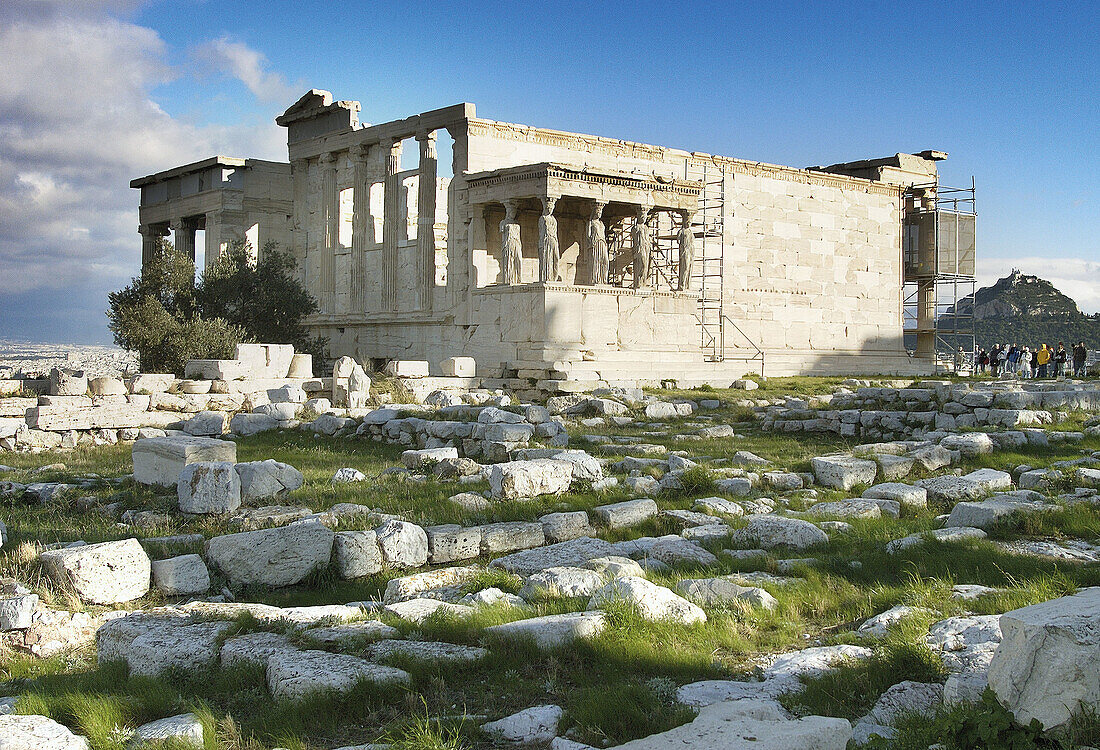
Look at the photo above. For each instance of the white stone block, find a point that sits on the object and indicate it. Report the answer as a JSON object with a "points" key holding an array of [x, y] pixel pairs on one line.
{"points": [[407, 368], [459, 367]]}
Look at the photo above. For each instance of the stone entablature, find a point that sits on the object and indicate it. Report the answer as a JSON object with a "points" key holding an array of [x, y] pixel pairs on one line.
{"points": [[226, 198]]}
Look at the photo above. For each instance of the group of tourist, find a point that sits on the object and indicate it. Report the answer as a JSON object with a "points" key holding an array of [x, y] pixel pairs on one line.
{"points": [[1044, 361]]}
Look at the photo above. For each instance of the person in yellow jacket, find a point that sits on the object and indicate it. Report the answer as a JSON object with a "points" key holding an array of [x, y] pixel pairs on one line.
{"points": [[1044, 361]]}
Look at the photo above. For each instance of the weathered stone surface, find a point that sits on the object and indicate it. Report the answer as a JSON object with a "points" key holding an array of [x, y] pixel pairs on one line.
{"points": [[940, 535], [905, 494], [653, 602], [768, 531], [352, 632], [561, 527], [403, 544], [153, 643], [253, 648], [970, 445], [270, 478], [429, 651], [408, 587], [459, 367], [1048, 664], [627, 513], [537, 724], [16, 612], [348, 474], [523, 479], [511, 535], [245, 424], [882, 622], [160, 460], [206, 424], [965, 645], [562, 582], [416, 459], [275, 557], [451, 543], [104, 573], [295, 675], [951, 489], [184, 728], [905, 697], [749, 725], [181, 576], [713, 592], [932, 457], [574, 553], [614, 567], [419, 610], [812, 661], [719, 506], [552, 631], [843, 472], [987, 513], [209, 487], [33, 732], [846, 509]]}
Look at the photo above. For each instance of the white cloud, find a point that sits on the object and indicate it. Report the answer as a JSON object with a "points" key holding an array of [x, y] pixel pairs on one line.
{"points": [[77, 121], [1077, 278], [240, 61]]}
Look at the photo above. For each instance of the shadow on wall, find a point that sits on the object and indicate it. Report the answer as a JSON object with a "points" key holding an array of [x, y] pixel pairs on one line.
{"points": [[879, 355]]}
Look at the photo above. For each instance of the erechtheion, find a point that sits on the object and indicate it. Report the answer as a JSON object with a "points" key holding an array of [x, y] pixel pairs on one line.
{"points": [[562, 258]]}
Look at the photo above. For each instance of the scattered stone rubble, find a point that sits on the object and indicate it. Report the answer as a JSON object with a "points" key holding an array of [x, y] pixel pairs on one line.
{"points": [[514, 453]]}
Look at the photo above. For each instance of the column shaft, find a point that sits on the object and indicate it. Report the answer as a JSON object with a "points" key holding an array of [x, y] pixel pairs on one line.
{"points": [[425, 222], [390, 226]]}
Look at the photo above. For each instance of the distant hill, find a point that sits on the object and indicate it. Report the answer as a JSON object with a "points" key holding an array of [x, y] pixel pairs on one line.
{"points": [[1020, 296], [1027, 310]]}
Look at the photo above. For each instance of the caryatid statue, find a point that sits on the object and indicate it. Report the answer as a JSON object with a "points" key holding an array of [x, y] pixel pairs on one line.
{"points": [[643, 246], [598, 263], [686, 241], [511, 248], [549, 250]]}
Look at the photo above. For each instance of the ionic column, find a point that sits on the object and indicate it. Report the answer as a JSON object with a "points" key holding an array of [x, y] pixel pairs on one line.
{"points": [[643, 245], [549, 250], [330, 217], [215, 243], [360, 221], [511, 247], [183, 237], [685, 241], [425, 221], [596, 247], [390, 207]]}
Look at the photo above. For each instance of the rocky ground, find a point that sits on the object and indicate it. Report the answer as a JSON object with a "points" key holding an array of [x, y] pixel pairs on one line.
{"points": [[25, 359], [627, 569]]}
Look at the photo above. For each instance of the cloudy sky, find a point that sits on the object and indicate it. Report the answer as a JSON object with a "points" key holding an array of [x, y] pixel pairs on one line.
{"points": [[96, 92]]}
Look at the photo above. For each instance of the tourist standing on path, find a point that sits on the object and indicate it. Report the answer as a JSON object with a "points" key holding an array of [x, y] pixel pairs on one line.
{"points": [[1025, 364], [1044, 361], [1080, 354], [1061, 357]]}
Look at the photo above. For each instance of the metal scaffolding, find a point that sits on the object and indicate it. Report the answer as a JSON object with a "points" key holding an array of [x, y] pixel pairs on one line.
{"points": [[938, 252]]}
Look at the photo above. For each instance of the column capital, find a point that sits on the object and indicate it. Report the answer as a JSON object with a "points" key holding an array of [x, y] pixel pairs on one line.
{"points": [[393, 157], [299, 164], [359, 152], [328, 158]]}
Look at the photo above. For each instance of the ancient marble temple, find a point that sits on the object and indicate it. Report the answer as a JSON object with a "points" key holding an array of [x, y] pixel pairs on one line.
{"points": [[564, 258]]}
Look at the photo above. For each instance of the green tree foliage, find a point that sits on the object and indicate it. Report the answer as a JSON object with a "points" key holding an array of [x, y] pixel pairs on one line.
{"points": [[261, 296], [168, 319]]}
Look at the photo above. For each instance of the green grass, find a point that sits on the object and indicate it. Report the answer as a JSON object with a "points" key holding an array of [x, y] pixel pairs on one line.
{"points": [[614, 688]]}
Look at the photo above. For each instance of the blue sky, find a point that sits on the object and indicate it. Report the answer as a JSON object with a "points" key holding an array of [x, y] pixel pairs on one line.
{"points": [[105, 91]]}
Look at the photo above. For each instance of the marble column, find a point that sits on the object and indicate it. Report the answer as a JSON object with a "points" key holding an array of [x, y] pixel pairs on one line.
{"points": [[390, 225], [330, 222], [511, 247], [183, 237], [549, 249], [425, 221], [150, 242], [685, 241], [599, 265], [642, 241], [361, 222]]}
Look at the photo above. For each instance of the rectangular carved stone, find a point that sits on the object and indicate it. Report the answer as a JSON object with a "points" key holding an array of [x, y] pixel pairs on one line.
{"points": [[59, 419], [160, 460]]}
